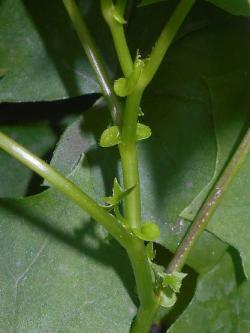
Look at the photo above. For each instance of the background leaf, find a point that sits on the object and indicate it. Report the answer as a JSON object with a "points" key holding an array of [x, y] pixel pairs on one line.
{"points": [[236, 7], [219, 303], [17, 180], [239, 7], [42, 53], [192, 135], [58, 274]]}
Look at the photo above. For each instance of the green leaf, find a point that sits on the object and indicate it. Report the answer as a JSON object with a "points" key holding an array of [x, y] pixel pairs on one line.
{"points": [[168, 298], [43, 54], [110, 137], [142, 132], [15, 178], [189, 130], [57, 270], [173, 281], [236, 7], [231, 220], [118, 194], [218, 303]]}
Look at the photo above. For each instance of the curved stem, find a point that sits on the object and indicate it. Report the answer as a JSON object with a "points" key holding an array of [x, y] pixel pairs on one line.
{"points": [[117, 31], [95, 59], [210, 205], [165, 39], [66, 187], [129, 158]]}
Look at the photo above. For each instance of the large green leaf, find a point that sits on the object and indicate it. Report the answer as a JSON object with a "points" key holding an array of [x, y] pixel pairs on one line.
{"points": [[195, 129], [236, 7], [40, 139], [41, 55], [58, 274], [219, 304]]}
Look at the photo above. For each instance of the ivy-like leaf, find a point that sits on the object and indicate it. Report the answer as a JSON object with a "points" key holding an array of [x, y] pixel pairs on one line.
{"points": [[236, 7], [40, 139], [228, 303], [55, 267], [110, 137], [39, 45]]}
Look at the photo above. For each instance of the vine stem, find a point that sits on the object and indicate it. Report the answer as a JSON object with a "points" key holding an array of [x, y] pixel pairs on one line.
{"points": [[149, 302], [210, 205], [129, 158], [95, 59], [65, 186]]}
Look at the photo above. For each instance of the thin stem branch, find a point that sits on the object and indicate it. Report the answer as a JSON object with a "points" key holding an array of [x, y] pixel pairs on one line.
{"points": [[66, 187], [165, 39], [129, 159], [119, 38], [95, 59], [210, 205]]}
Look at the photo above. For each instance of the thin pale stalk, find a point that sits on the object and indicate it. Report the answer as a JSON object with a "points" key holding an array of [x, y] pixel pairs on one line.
{"points": [[65, 186], [210, 205], [95, 59]]}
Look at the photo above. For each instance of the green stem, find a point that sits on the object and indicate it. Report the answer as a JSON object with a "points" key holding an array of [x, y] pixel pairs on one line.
{"points": [[148, 301], [66, 187], [165, 39], [95, 59], [210, 205], [119, 38], [129, 159]]}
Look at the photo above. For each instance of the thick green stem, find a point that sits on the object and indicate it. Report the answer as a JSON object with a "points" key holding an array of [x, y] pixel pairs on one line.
{"points": [[129, 158], [148, 301], [210, 205], [66, 187], [117, 31], [95, 59], [165, 39]]}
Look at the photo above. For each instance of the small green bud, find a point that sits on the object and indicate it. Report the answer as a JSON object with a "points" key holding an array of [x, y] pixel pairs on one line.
{"points": [[149, 231], [125, 86], [121, 87], [142, 132], [110, 137], [173, 281], [167, 298], [118, 194]]}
